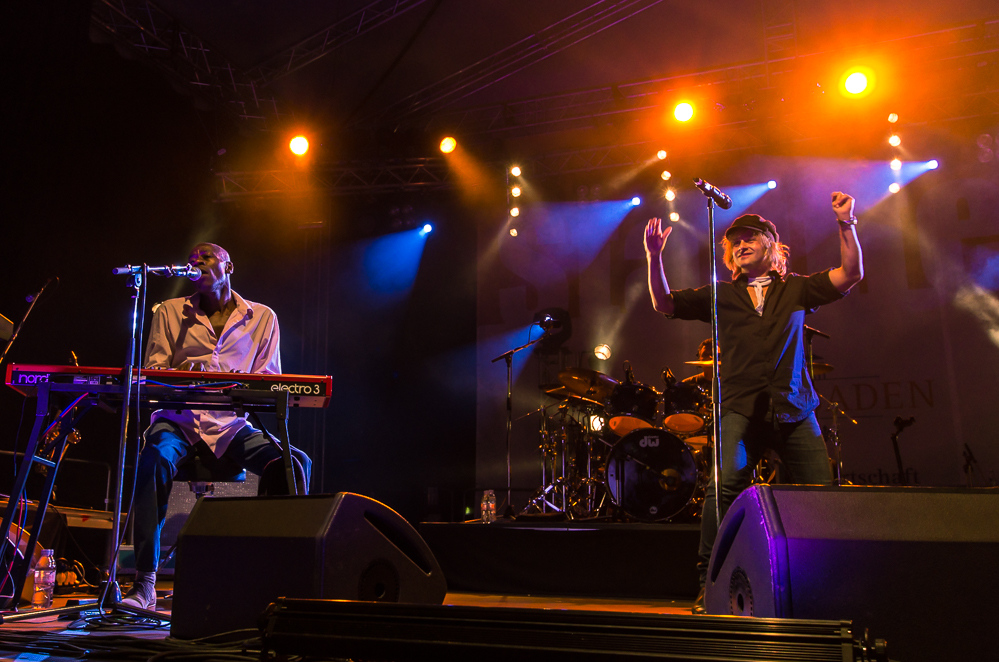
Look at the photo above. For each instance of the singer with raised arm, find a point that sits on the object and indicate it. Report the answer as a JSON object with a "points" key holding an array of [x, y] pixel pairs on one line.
{"points": [[767, 397], [215, 330]]}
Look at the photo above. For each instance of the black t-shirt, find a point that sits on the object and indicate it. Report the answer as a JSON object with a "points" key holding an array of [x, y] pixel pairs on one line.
{"points": [[763, 356]]}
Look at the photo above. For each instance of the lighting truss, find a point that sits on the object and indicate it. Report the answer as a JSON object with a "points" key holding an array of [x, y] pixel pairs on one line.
{"points": [[345, 30], [562, 34], [145, 29], [335, 179]]}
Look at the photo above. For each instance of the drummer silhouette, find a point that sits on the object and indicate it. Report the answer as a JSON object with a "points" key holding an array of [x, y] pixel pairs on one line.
{"points": [[704, 359]]}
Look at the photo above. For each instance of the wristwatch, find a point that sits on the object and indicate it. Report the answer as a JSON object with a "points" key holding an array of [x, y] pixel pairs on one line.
{"points": [[852, 221]]}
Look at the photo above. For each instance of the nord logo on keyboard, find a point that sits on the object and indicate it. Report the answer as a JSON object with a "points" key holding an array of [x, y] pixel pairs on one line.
{"points": [[30, 378]]}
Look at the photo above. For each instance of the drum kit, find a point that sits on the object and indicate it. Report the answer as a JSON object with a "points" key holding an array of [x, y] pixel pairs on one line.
{"points": [[624, 450]]}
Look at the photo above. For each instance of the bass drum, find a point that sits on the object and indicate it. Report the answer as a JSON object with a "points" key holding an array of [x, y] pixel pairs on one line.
{"points": [[651, 475]]}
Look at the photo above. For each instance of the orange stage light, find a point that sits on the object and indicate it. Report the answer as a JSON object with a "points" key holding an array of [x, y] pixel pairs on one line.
{"points": [[683, 111], [448, 145], [857, 82], [299, 145]]}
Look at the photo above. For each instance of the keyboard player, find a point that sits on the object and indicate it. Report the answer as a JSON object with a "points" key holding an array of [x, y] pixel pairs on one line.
{"points": [[216, 330]]}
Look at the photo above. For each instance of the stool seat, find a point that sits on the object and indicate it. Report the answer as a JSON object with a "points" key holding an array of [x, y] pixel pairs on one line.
{"points": [[202, 468]]}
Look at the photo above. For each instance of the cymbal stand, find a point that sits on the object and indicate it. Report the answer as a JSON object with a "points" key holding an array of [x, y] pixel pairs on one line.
{"points": [[508, 356], [837, 411]]}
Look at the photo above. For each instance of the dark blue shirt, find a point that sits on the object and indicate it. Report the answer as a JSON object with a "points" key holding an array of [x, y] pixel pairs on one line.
{"points": [[763, 362]]}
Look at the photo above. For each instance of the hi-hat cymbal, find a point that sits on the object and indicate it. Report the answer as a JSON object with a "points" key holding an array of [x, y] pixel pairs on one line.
{"points": [[588, 383]]}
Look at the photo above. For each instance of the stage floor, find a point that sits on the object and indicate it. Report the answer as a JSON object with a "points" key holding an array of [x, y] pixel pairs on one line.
{"points": [[54, 640]]}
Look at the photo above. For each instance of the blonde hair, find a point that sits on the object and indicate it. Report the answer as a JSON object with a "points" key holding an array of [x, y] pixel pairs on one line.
{"points": [[776, 252]]}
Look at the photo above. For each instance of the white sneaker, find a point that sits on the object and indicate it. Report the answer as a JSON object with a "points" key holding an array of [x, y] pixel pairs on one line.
{"points": [[142, 595]]}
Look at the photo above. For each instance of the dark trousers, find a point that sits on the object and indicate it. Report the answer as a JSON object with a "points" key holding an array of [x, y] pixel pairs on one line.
{"points": [[164, 449], [802, 452]]}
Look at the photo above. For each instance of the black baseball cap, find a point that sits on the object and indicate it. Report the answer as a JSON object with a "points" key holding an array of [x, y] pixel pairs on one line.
{"points": [[754, 222]]}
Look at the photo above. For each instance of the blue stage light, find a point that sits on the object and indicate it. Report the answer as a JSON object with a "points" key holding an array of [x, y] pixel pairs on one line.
{"points": [[426, 229], [933, 165], [772, 184], [636, 201]]}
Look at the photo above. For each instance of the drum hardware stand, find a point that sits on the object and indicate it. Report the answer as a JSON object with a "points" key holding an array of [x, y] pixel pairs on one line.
{"points": [[900, 424], [970, 464], [837, 411], [546, 324], [33, 299]]}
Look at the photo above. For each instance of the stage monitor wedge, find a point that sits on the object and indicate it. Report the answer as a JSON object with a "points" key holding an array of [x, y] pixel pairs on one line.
{"points": [[237, 555], [915, 565]]}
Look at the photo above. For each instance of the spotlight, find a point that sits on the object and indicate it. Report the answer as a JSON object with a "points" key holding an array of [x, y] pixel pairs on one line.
{"points": [[892, 118], [670, 194], [894, 140], [674, 216], [299, 145], [896, 164], [894, 187], [515, 171], [856, 82], [661, 154], [772, 184], [602, 352], [596, 423], [666, 175], [426, 229], [513, 232], [448, 145], [933, 164], [515, 191], [515, 211], [683, 111], [636, 201]]}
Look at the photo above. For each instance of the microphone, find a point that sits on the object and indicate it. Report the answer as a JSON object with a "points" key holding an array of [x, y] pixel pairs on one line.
{"points": [[183, 270], [668, 378], [546, 323], [33, 297], [707, 189]]}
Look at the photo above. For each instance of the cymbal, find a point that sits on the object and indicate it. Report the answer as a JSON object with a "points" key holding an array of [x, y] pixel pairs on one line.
{"points": [[821, 368], [704, 363], [588, 383], [562, 393]]}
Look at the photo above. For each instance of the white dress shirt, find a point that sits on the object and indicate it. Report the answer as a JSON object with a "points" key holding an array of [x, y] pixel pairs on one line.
{"points": [[181, 337]]}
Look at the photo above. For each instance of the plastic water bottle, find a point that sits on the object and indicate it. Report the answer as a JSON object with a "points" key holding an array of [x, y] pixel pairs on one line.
{"points": [[45, 578], [488, 510]]}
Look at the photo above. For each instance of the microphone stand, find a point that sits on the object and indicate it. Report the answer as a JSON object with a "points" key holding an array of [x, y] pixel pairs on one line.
{"points": [[716, 372], [33, 299], [836, 410], [508, 355]]}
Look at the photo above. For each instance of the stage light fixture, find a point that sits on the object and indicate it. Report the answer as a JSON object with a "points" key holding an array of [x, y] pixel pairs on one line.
{"points": [[896, 164], [448, 144], [666, 175], [299, 145], [894, 140], [513, 232], [933, 164], [515, 171], [515, 211], [674, 216], [636, 201], [661, 154], [602, 351], [892, 118], [857, 82], [772, 184], [670, 194], [894, 187], [426, 229], [596, 423], [683, 111], [515, 191]]}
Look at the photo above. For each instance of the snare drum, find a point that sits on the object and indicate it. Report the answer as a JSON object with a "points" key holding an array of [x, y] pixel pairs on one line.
{"points": [[685, 409], [651, 474]]}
